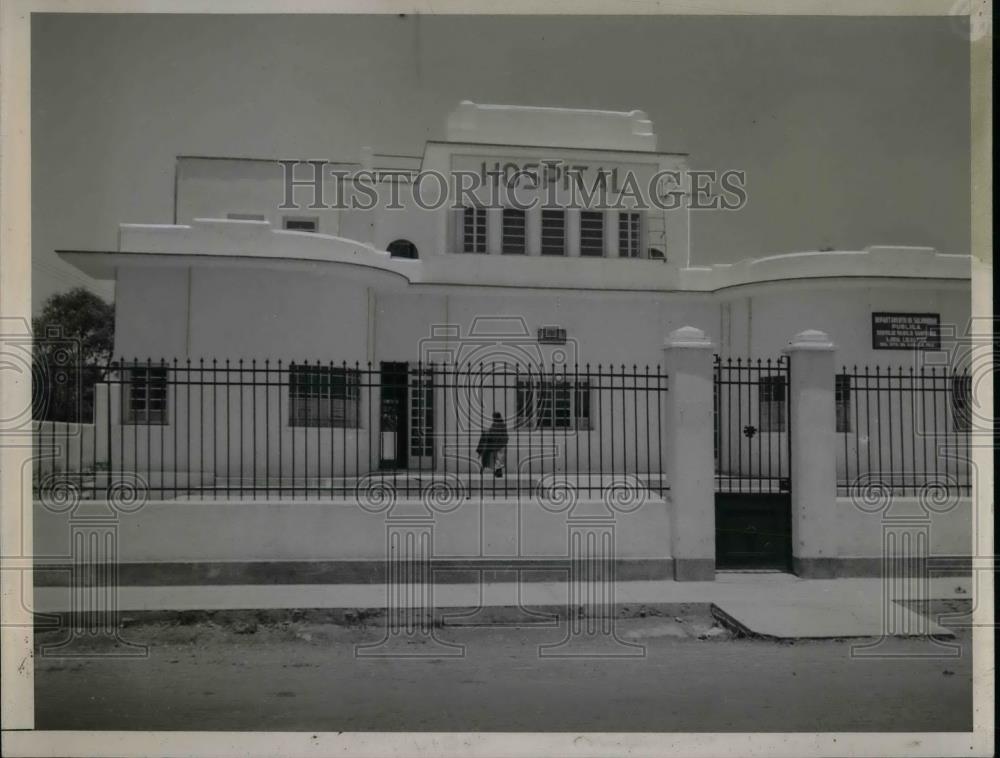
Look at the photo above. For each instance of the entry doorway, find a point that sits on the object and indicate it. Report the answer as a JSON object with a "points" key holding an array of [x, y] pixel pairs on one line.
{"points": [[421, 428], [753, 502], [393, 425], [753, 531], [407, 418]]}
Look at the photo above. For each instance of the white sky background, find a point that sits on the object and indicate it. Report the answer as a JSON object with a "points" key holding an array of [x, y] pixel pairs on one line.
{"points": [[852, 131]]}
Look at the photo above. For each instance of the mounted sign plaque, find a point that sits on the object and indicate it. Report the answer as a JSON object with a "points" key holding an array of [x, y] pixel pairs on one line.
{"points": [[551, 335], [906, 331]]}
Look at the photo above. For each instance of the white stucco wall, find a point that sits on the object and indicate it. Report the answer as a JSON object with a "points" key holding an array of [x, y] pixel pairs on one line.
{"points": [[842, 308], [220, 309], [248, 530], [215, 187], [858, 533], [303, 530], [151, 312], [330, 312]]}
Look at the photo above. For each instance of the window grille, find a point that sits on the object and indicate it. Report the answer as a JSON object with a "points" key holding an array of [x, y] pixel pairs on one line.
{"points": [[474, 230], [323, 396], [628, 234], [146, 395], [422, 415], [592, 233], [553, 232], [553, 404], [771, 401], [842, 394], [403, 249], [513, 231]]}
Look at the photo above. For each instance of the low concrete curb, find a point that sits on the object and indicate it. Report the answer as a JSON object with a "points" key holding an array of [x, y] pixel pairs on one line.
{"points": [[743, 627], [459, 616]]}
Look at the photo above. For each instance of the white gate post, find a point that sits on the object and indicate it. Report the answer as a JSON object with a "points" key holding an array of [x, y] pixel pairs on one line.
{"points": [[688, 423], [812, 427]]}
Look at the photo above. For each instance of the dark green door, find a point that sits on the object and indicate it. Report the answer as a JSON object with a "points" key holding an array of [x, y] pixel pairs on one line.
{"points": [[394, 393], [753, 531]]}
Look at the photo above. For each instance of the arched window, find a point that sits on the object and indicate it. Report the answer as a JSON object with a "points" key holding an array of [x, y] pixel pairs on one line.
{"points": [[403, 249]]}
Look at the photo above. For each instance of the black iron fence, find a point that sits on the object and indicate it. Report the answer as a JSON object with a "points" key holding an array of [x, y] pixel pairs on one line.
{"points": [[903, 430], [752, 448], [63, 392], [263, 429]]}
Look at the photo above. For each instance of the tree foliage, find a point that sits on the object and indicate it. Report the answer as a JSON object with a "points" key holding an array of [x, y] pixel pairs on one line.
{"points": [[73, 342]]}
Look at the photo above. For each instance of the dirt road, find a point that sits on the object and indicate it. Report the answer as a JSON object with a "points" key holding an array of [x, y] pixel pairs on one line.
{"points": [[306, 676]]}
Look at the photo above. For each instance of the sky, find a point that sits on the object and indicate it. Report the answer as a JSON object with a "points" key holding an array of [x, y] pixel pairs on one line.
{"points": [[852, 131]]}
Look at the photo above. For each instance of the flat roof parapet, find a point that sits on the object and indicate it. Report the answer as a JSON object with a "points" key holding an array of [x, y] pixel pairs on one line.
{"points": [[551, 127], [879, 261], [260, 243]]}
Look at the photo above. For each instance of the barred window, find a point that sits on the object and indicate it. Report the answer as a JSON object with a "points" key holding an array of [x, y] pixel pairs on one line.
{"points": [[146, 395], [474, 230], [323, 396], [513, 230], [553, 404], [592, 233], [961, 403], [422, 415], [771, 403], [628, 234], [842, 395], [554, 232]]}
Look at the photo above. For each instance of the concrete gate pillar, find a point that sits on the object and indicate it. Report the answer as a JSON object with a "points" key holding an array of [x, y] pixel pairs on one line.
{"points": [[689, 453], [812, 426]]}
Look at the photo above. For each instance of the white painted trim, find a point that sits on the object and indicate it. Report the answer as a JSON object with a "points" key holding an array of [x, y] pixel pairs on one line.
{"points": [[810, 340], [688, 337], [259, 243]]}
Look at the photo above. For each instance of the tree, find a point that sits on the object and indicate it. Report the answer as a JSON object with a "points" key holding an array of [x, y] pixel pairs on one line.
{"points": [[73, 341]]}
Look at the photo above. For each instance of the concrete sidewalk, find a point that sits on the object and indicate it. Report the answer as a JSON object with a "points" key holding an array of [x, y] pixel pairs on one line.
{"points": [[773, 605]]}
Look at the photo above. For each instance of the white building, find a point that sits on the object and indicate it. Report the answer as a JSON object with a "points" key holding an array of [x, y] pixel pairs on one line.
{"points": [[237, 276], [558, 290]]}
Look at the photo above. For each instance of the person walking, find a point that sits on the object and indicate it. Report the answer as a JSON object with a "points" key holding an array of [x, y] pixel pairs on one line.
{"points": [[493, 445]]}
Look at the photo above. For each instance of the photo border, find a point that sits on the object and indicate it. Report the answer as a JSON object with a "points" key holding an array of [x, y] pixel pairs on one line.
{"points": [[16, 669]]}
